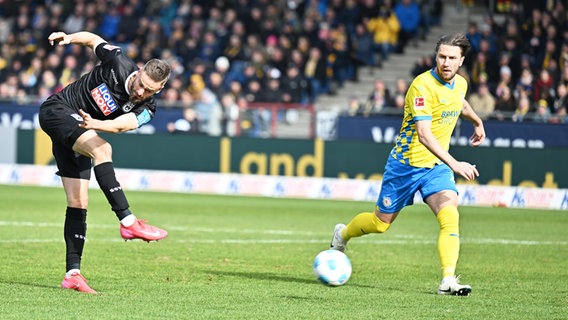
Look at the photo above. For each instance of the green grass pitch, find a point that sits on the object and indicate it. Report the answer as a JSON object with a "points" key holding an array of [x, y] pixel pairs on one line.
{"points": [[230, 257]]}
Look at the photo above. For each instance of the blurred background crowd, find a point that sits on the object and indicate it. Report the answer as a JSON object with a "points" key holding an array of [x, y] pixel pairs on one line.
{"points": [[226, 55]]}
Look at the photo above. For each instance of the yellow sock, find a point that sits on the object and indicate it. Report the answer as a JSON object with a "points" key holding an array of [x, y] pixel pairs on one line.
{"points": [[364, 223], [449, 239]]}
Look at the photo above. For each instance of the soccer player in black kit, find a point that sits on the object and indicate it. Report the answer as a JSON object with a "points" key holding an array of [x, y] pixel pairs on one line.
{"points": [[116, 96]]}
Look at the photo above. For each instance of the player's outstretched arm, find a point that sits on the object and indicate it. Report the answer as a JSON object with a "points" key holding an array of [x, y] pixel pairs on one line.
{"points": [[123, 123], [84, 38], [469, 114]]}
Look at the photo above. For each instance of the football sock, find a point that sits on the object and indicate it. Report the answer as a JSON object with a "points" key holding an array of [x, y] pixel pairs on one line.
{"points": [[70, 273], [106, 178], [449, 239], [364, 223], [128, 220], [74, 232]]}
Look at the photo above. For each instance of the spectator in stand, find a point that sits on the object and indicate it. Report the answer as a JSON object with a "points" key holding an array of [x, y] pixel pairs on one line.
{"points": [[189, 123], [385, 28], [522, 109], [525, 85], [505, 80], [110, 22], [505, 105], [272, 91], [206, 104], [542, 113], [398, 104], [474, 37], [423, 63], [294, 86], [561, 98], [408, 14], [354, 107], [482, 101], [379, 98], [230, 117], [362, 44], [209, 49], [316, 74], [401, 87], [544, 87]]}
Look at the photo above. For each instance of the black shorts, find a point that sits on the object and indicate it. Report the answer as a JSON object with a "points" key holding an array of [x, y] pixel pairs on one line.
{"points": [[61, 123]]}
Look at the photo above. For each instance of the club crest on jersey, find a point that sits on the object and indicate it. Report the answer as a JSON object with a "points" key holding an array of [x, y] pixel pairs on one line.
{"points": [[127, 106], [104, 99], [419, 103]]}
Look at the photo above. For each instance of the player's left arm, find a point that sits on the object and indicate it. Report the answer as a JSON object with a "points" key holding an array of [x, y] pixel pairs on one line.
{"points": [[123, 123], [469, 114]]}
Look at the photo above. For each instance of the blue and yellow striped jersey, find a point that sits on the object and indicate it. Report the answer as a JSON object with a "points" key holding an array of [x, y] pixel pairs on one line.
{"points": [[429, 98]]}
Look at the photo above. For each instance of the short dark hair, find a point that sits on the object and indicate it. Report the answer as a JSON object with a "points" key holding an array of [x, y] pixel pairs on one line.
{"points": [[158, 70], [457, 40]]}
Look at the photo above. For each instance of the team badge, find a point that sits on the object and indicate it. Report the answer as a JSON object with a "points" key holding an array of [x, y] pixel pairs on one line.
{"points": [[419, 103], [127, 106], [104, 99], [387, 202]]}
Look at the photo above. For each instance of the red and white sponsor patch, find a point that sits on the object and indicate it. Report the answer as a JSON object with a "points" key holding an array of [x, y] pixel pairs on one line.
{"points": [[419, 103]]}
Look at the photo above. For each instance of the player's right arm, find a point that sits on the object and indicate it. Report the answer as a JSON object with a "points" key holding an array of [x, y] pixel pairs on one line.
{"points": [[427, 138], [84, 38]]}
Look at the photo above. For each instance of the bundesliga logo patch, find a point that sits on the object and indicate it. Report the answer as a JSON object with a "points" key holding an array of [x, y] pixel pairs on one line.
{"points": [[103, 99], [419, 103]]}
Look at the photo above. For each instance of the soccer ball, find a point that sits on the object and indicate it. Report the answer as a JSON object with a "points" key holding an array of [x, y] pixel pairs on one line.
{"points": [[332, 268]]}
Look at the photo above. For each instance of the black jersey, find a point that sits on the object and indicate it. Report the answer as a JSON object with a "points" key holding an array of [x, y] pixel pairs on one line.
{"points": [[102, 92]]}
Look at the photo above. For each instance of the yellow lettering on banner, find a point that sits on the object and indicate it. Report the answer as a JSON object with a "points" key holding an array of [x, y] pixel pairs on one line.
{"points": [[528, 184], [281, 160], [42, 148], [315, 161], [225, 155], [549, 181], [253, 159]]}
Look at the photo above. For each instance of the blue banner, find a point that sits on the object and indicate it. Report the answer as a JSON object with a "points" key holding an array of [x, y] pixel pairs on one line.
{"points": [[26, 117], [499, 133]]}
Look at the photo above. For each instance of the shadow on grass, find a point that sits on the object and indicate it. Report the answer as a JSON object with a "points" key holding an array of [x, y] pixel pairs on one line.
{"points": [[33, 285], [272, 277]]}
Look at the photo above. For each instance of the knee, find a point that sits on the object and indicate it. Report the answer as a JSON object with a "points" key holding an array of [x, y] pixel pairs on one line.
{"points": [[448, 217], [103, 153], [380, 225]]}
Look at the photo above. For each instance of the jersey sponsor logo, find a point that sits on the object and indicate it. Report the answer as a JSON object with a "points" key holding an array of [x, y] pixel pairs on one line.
{"points": [[419, 103], [104, 99]]}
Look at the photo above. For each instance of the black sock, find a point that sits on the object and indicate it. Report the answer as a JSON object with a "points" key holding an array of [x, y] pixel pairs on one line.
{"points": [[74, 231], [106, 178]]}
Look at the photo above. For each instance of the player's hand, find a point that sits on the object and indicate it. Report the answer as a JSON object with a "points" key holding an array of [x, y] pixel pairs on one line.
{"points": [[478, 136], [59, 38], [466, 170], [88, 121]]}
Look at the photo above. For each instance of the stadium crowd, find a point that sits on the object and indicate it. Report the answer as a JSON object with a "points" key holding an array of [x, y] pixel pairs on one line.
{"points": [[225, 54], [518, 67]]}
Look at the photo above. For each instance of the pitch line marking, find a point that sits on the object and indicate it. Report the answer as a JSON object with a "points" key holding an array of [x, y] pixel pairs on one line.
{"points": [[401, 239]]}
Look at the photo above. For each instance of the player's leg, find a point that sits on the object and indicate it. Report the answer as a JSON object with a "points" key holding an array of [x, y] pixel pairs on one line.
{"points": [[90, 144], [444, 206], [397, 191], [75, 174], [442, 197]]}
